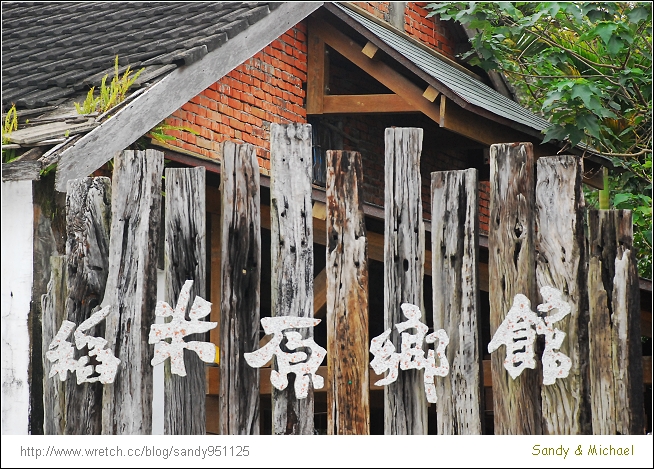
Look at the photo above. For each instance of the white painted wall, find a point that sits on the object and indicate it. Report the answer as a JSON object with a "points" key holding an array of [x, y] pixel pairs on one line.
{"points": [[17, 277]]}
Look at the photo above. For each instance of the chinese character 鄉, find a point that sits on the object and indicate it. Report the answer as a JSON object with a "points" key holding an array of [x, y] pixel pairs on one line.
{"points": [[412, 355], [290, 362]]}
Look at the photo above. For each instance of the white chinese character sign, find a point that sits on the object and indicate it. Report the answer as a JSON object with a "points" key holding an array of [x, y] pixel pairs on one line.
{"points": [[412, 355], [61, 352], [518, 332], [179, 328], [290, 362]]}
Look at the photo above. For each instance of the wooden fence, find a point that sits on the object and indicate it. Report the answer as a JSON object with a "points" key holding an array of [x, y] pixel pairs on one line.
{"points": [[536, 239]]}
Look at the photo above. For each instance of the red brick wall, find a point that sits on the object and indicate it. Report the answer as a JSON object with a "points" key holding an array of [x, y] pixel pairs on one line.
{"points": [[429, 31], [379, 9], [268, 88]]}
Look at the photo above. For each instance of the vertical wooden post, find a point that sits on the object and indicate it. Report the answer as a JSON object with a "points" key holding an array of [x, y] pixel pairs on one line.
{"points": [[455, 280], [616, 367], [511, 270], [405, 404], [185, 259], [88, 220], [241, 278], [561, 263], [132, 290], [291, 257], [317, 67], [348, 407], [53, 305]]}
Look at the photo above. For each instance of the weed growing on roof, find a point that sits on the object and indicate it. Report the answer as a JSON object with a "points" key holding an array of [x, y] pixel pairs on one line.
{"points": [[111, 94], [8, 126]]}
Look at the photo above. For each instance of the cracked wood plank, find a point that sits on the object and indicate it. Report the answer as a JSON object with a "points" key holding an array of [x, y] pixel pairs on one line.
{"points": [[516, 403], [348, 403], [88, 221], [132, 290], [53, 305], [291, 233], [616, 362], [455, 279], [561, 263], [185, 259], [240, 286], [405, 404]]}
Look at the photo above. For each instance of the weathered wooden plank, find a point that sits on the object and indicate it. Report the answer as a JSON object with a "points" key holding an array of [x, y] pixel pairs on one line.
{"points": [[53, 305], [405, 404], [291, 257], [348, 405], [132, 290], [49, 217], [365, 103], [455, 281], [241, 279], [516, 403], [29, 135], [88, 221], [173, 91], [561, 263], [616, 363], [185, 259], [21, 171]]}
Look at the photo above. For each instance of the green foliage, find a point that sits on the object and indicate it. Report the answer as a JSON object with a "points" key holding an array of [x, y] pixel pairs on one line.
{"points": [[587, 68], [8, 126], [111, 94], [158, 133]]}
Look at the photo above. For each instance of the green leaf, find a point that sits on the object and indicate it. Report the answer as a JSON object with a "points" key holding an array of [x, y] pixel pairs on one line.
{"points": [[605, 31], [638, 14], [615, 45]]}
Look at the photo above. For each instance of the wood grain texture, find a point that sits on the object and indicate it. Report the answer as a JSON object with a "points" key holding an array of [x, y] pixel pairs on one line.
{"points": [[455, 281], [348, 404], [88, 221], [516, 403], [241, 279], [185, 259], [616, 362], [561, 263], [53, 305], [365, 103], [405, 404], [132, 290], [291, 257]]}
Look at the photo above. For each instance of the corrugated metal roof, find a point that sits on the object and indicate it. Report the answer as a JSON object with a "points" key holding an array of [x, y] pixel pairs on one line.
{"points": [[462, 85]]}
